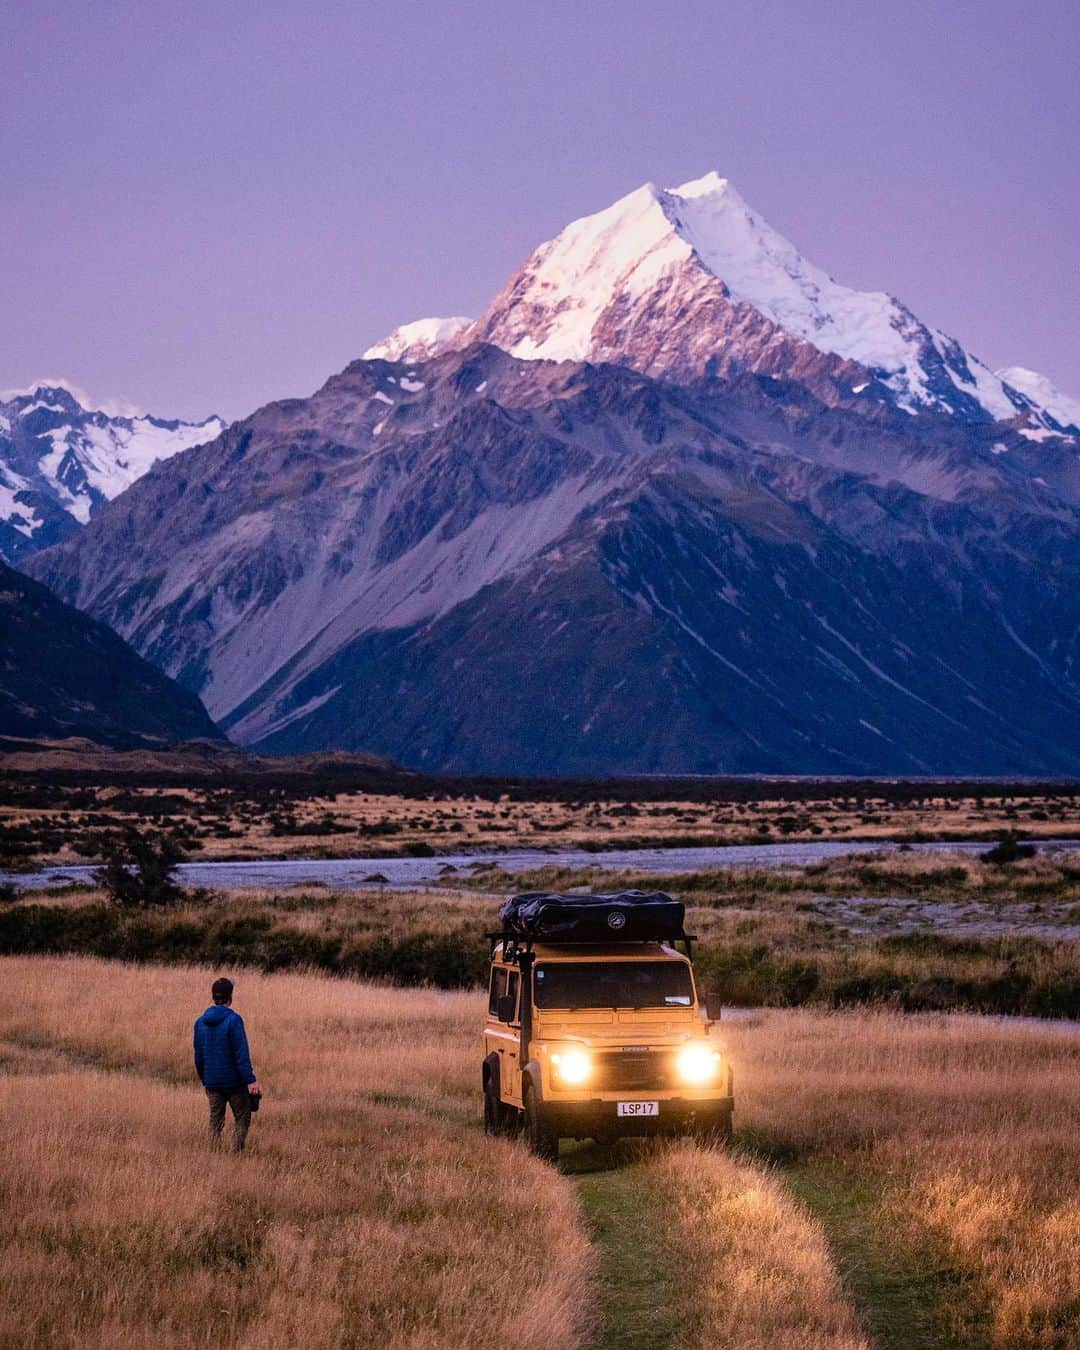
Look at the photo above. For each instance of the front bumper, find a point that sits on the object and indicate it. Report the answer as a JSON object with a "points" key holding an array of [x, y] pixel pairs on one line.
{"points": [[594, 1119]]}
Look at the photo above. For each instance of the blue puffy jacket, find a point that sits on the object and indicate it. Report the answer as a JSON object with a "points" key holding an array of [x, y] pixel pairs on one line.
{"points": [[221, 1049]]}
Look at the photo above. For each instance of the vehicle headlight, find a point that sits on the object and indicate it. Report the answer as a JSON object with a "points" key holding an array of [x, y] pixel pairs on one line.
{"points": [[698, 1063], [572, 1066]]}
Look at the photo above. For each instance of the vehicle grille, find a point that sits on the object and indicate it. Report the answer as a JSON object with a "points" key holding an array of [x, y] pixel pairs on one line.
{"points": [[634, 1070]]}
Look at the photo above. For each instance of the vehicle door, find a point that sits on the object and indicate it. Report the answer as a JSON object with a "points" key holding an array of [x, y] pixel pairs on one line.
{"points": [[500, 1038], [511, 1059]]}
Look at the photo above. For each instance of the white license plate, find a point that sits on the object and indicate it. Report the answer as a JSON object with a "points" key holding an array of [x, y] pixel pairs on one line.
{"points": [[637, 1109]]}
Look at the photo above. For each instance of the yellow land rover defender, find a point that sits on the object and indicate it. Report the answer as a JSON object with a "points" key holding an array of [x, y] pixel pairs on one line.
{"points": [[594, 1029]]}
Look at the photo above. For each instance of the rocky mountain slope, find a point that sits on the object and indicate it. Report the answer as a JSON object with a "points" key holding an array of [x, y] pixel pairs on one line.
{"points": [[60, 461], [658, 510], [63, 674]]}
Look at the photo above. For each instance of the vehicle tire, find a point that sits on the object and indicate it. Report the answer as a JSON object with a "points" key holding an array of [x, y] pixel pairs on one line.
{"points": [[541, 1139], [495, 1113]]}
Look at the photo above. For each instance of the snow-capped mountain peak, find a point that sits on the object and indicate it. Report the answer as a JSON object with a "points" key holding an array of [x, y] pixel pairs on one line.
{"points": [[651, 279], [62, 457], [419, 340], [569, 283]]}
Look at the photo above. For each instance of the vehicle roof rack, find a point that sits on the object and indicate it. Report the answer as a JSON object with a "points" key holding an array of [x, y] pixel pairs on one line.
{"points": [[513, 943]]}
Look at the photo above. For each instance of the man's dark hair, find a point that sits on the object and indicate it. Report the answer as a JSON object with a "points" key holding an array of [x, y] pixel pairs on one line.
{"points": [[221, 990]]}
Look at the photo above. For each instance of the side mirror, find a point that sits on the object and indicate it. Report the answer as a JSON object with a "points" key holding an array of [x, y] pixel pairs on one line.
{"points": [[713, 1005], [504, 1008]]}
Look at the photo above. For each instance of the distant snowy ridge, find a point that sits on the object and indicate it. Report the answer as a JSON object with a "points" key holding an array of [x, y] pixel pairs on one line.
{"points": [[111, 407], [60, 459], [418, 341], [1050, 403]]}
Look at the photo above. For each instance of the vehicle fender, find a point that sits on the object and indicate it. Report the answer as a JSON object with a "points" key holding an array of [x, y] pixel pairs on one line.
{"points": [[531, 1074], [490, 1072]]}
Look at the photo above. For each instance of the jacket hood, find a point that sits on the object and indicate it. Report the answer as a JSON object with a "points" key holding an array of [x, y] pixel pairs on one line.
{"points": [[217, 1012]]}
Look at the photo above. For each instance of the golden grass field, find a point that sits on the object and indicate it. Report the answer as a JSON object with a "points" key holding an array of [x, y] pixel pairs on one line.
{"points": [[365, 1212], [895, 1181]]}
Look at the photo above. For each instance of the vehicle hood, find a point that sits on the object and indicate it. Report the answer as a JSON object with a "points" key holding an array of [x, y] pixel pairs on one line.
{"points": [[600, 1027]]}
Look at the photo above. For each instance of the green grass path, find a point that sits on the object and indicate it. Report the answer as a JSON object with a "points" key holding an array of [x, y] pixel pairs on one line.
{"points": [[904, 1294], [635, 1309]]}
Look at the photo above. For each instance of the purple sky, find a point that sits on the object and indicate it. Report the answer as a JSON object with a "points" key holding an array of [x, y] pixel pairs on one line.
{"points": [[207, 206]]}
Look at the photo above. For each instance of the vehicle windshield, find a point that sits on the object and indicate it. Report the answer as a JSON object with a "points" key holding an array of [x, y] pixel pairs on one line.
{"points": [[613, 984]]}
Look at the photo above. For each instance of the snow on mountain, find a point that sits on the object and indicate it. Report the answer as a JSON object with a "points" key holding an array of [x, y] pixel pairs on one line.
{"points": [[1055, 410], [112, 407], [61, 459], [418, 341], [605, 286]]}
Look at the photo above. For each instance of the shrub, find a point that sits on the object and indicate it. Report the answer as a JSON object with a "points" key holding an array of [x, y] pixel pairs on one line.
{"points": [[1008, 850], [752, 975], [878, 984], [88, 929], [139, 867], [454, 960]]}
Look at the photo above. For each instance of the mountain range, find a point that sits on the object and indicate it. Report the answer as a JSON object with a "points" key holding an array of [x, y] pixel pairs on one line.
{"points": [[676, 501], [61, 460]]}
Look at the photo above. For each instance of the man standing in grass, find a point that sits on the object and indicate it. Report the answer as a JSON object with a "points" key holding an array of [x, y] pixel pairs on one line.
{"points": [[223, 1064]]}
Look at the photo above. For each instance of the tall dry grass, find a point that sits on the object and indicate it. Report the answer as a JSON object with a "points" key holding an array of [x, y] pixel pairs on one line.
{"points": [[966, 1126], [755, 1270], [364, 1212]]}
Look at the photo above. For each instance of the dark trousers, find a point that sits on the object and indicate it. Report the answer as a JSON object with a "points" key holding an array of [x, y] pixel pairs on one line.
{"points": [[240, 1102]]}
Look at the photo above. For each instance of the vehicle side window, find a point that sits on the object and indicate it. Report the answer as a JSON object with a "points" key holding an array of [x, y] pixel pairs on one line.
{"points": [[512, 990], [498, 988]]}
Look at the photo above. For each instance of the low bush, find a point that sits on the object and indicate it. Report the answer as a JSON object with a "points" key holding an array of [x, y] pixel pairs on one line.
{"points": [[454, 960], [911, 972], [880, 879], [448, 960], [410, 940], [753, 975], [1008, 850], [139, 867]]}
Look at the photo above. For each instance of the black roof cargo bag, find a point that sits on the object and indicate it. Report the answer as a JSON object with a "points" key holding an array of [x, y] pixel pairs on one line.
{"points": [[617, 916]]}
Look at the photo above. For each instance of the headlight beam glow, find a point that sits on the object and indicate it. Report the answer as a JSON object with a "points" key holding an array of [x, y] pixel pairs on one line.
{"points": [[698, 1063], [573, 1066]]}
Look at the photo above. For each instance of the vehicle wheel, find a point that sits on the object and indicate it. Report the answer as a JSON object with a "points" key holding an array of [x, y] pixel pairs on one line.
{"points": [[495, 1112], [540, 1137]]}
